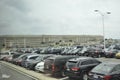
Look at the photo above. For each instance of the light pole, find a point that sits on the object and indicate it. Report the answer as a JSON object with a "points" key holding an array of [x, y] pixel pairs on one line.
{"points": [[102, 14]]}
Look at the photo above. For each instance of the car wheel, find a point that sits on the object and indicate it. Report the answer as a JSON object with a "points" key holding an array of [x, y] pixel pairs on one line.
{"points": [[71, 78], [85, 76]]}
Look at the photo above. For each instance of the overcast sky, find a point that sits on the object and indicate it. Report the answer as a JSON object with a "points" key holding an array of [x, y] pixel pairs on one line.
{"points": [[59, 17]]}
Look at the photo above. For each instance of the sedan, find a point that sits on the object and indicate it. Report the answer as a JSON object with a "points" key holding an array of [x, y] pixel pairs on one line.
{"points": [[105, 71], [40, 67]]}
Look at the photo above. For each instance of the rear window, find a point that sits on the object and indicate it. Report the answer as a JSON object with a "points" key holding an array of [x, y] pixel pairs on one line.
{"points": [[39, 58], [103, 68], [62, 60], [95, 61], [71, 64], [49, 61], [33, 57], [86, 62], [16, 55]]}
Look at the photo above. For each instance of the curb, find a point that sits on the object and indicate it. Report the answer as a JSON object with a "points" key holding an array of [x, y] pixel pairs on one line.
{"points": [[20, 71], [29, 73]]}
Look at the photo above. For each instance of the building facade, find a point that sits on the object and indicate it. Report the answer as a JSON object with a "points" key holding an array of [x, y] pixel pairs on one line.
{"points": [[34, 41]]}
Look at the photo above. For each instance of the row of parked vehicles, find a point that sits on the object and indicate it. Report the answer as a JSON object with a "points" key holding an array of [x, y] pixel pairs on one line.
{"points": [[74, 66], [91, 50]]}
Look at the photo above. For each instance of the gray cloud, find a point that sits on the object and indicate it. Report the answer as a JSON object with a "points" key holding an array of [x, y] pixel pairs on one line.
{"points": [[59, 17]]}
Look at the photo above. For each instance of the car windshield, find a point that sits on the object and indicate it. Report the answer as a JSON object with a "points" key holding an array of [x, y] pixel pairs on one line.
{"points": [[39, 58], [76, 50], [103, 68]]}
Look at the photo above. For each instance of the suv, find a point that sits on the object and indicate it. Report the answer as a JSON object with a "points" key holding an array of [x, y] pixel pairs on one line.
{"points": [[56, 64], [79, 67]]}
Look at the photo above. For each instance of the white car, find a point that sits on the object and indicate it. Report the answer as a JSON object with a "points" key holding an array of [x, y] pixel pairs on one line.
{"points": [[40, 67]]}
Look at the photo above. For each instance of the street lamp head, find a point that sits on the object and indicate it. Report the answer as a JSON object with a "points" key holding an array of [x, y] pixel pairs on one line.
{"points": [[96, 10], [108, 12]]}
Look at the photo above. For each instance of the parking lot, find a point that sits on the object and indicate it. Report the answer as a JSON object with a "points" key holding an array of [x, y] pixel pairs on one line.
{"points": [[42, 76]]}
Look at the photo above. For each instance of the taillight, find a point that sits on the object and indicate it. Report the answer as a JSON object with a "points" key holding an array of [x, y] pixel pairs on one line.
{"points": [[75, 69], [53, 67], [96, 51], [107, 77]]}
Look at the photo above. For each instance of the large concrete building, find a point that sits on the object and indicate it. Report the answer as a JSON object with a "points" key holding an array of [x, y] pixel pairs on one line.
{"points": [[47, 40]]}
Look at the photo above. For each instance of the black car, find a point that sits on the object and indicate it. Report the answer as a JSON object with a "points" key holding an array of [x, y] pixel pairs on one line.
{"points": [[55, 65], [78, 68], [97, 52], [105, 71]]}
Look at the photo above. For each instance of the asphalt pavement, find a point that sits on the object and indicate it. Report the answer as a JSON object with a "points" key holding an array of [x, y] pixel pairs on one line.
{"points": [[7, 73], [22, 71]]}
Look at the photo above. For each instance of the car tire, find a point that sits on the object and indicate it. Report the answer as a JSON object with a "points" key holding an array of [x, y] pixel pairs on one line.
{"points": [[85, 76], [71, 78]]}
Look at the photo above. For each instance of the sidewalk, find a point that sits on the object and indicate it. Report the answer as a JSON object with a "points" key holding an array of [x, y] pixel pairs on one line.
{"points": [[39, 76]]}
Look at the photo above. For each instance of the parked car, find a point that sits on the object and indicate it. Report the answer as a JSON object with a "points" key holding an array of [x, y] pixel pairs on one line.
{"points": [[15, 56], [55, 65], [55, 51], [78, 68], [112, 50], [111, 53], [75, 51], [96, 52], [28, 58], [18, 60], [64, 52], [5, 55], [88, 51], [30, 64], [105, 71], [82, 51]]}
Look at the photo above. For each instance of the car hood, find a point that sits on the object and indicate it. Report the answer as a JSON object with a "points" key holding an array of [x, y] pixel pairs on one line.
{"points": [[40, 63]]}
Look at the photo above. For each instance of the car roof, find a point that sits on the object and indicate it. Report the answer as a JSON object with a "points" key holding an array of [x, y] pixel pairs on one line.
{"points": [[80, 58], [60, 57], [32, 55]]}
